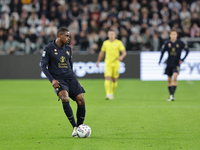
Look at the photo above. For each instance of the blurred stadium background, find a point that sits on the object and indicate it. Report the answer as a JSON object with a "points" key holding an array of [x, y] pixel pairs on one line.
{"points": [[26, 26]]}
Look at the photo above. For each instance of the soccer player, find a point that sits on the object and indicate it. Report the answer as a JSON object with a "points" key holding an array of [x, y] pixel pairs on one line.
{"points": [[56, 63], [112, 47], [174, 48]]}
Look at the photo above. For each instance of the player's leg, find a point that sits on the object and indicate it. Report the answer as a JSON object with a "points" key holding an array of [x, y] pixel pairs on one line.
{"points": [[170, 88], [107, 86], [107, 75], [169, 84], [115, 75], [80, 109], [174, 84], [67, 109]]}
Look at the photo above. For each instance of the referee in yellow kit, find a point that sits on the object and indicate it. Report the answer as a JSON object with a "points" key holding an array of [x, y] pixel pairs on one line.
{"points": [[112, 47]]}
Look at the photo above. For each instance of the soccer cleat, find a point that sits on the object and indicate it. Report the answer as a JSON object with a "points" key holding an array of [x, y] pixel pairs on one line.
{"points": [[74, 133], [171, 98], [109, 97]]}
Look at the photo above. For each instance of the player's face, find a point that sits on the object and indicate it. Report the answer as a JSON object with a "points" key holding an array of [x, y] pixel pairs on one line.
{"points": [[111, 35], [65, 38], [173, 36]]}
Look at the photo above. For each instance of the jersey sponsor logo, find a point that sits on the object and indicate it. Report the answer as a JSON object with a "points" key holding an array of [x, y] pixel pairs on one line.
{"points": [[62, 59], [67, 52], [173, 51], [56, 53], [43, 53]]}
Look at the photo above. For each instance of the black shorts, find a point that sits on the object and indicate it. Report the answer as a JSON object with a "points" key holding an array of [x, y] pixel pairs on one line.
{"points": [[72, 86], [171, 69]]}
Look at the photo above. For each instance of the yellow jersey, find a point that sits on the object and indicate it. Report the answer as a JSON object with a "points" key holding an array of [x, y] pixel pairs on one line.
{"points": [[112, 50]]}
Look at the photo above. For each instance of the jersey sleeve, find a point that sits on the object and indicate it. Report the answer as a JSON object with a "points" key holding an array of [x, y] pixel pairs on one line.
{"points": [[163, 49], [185, 47], [70, 59], [103, 48], [44, 64], [121, 46]]}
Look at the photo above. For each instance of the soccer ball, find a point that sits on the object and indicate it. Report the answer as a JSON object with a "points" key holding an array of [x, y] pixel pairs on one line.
{"points": [[84, 131]]}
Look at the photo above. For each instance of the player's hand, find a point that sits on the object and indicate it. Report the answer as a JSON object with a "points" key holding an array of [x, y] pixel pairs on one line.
{"points": [[120, 58], [55, 83], [180, 62], [97, 64]]}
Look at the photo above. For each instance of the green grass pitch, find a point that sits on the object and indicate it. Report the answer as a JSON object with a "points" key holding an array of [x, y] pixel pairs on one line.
{"points": [[139, 118]]}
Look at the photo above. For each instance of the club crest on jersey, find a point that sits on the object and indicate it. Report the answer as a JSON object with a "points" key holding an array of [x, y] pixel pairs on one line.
{"points": [[67, 52], [55, 50], [169, 45], [177, 45], [62, 59]]}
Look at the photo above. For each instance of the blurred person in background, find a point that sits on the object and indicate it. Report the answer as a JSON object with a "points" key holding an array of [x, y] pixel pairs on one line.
{"points": [[2, 41], [194, 29], [146, 40], [11, 45], [155, 42], [83, 41], [112, 48], [135, 42]]}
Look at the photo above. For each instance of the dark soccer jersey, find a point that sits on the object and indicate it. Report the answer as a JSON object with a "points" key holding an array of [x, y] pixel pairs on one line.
{"points": [[174, 52], [56, 62]]}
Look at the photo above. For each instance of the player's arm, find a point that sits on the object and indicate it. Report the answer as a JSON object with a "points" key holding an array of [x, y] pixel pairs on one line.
{"points": [[44, 64], [123, 51], [187, 51], [100, 57], [123, 54], [70, 61], [163, 49]]}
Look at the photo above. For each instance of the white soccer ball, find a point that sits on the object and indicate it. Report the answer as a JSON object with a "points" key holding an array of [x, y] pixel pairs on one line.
{"points": [[84, 131]]}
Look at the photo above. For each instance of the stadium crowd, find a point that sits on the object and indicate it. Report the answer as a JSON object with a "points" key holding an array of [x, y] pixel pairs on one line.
{"points": [[26, 26]]}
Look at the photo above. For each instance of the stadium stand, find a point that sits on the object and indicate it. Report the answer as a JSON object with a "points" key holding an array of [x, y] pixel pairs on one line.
{"points": [[142, 25]]}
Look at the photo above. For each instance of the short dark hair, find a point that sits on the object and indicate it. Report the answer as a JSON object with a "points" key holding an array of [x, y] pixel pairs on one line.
{"points": [[173, 30], [61, 30], [111, 30]]}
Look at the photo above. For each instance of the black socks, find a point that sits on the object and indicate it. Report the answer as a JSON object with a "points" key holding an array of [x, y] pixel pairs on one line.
{"points": [[172, 89], [68, 111], [80, 114]]}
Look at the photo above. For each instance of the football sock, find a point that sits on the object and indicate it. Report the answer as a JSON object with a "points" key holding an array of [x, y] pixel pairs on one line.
{"points": [[69, 113], [113, 87], [173, 89], [107, 86], [80, 114], [170, 90]]}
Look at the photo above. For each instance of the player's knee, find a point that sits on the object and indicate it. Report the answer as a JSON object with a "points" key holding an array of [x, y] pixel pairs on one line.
{"points": [[80, 100], [64, 98], [169, 81], [175, 79]]}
